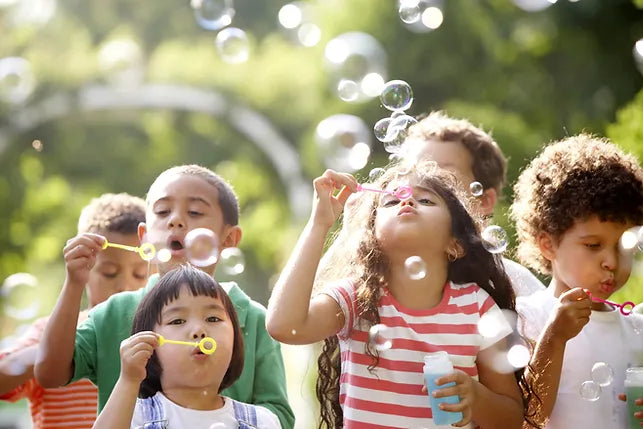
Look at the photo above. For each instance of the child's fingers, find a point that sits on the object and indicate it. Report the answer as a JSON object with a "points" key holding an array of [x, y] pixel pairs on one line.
{"points": [[622, 397], [639, 402]]}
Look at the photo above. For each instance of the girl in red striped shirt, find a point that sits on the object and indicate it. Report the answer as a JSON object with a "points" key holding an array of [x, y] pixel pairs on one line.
{"points": [[361, 384]]}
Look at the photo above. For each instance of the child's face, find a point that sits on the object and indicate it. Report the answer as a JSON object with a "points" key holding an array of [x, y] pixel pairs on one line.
{"points": [[176, 205], [588, 256], [413, 222], [191, 318], [116, 270]]}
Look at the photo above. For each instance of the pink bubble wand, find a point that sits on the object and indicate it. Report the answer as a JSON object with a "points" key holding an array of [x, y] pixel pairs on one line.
{"points": [[622, 307], [403, 192]]}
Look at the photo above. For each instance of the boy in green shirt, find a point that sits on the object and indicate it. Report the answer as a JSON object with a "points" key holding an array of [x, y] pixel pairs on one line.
{"points": [[181, 199]]}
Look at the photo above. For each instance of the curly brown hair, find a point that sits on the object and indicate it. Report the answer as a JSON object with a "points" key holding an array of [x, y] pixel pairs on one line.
{"points": [[118, 213], [572, 180], [489, 164], [359, 256]]}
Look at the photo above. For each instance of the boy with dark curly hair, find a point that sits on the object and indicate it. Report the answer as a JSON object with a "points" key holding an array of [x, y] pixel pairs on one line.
{"points": [[572, 204]]}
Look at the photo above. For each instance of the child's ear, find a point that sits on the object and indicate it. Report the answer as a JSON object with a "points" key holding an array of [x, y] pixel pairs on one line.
{"points": [[142, 230], [547, 246], [488, 201], [232, 236]]}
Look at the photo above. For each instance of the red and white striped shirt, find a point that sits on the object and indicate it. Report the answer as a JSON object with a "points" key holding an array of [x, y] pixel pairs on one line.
{"points": [[73, 406], [391, 396]]}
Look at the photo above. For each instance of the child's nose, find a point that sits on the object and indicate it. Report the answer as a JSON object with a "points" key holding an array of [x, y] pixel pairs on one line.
{"points": [[198, 332], [610, 261], [175, 221], [408, 202]]}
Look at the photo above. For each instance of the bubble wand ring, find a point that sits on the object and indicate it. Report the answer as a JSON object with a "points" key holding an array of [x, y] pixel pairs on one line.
{"points": [[202, 345], [402, 192], [145, 250], [622, 307]]}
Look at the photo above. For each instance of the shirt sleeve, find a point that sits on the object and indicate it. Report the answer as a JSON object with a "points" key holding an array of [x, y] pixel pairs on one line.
{"points": [[266, 419], [85, 352], [344, 293], [492, 317], [270, 377]]}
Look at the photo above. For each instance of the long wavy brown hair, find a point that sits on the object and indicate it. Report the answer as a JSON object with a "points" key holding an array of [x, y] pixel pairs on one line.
{"points": [[356, 254]]}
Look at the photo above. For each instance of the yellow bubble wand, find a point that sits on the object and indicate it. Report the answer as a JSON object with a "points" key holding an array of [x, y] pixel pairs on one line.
{"points": [[145, 250], [207, 345]]}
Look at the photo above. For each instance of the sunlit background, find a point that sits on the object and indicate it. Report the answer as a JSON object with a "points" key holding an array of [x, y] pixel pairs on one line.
{"points": [[102, 96]]}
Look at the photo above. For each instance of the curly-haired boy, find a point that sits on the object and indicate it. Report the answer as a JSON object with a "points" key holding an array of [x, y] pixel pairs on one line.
{"points": [[572, 204]]}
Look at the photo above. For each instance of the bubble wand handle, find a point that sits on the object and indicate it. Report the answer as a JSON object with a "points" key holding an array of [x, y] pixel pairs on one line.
{"points": [[202, 345], [146, 250], [622, 307], [402, 192], [107, 244]]}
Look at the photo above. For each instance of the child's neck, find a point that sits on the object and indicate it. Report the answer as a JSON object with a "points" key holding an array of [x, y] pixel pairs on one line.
{"points": [[205, 399], [418, 294]]}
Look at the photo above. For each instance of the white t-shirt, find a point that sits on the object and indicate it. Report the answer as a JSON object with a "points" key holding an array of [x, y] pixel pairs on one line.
{"points": [[609, 337], [178, 417], [524, 282]]}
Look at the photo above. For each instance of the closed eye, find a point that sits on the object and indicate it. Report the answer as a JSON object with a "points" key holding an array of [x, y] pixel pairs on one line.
{"points": [[194, 213], [391, 202], [426, 201], [593, 246], [161, 212], [176, 322]]}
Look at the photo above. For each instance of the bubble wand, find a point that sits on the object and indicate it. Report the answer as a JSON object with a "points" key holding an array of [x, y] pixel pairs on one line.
{"points": [[202, 345], [622, 307], [402, 192], [145, 250]]}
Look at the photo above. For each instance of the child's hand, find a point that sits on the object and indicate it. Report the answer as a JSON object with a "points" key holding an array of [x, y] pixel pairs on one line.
{"points": [[638, 402], [80, 256], [465, 388], [571, 314], [326, 206], [135, 352]]}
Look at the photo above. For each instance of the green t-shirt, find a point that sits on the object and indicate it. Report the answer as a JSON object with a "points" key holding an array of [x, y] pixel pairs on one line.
{"points": [[262, 382]]}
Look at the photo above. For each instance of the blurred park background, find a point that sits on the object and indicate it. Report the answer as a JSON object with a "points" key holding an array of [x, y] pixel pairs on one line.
{"points": [[102, 96]]}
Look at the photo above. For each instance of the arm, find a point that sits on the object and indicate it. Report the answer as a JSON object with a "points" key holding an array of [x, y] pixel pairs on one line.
{"points": [[54, 363], [17, 368], [135, 352], [294, 318], [544, 372]]}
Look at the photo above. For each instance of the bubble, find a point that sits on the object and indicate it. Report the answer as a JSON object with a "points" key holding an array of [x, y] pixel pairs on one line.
{"points": [[415, 267], [358, 57], [213, 14], [494, 239], [290, 15], [348, 90], [381, 129], [147, 251], [375, 174], [164, 255], [344, 142], [202, 247], [476, 189], [409, 11], [121, 61], [20, 295], [590, 391], [232, 44], [232, 261], [37, 145], [491, 324], [309, 34], [379, 336], [432, 18], [639, 240], [629, 239], [518, 356], [397, 95], [17, 81], [638, 54], [602, 374]]}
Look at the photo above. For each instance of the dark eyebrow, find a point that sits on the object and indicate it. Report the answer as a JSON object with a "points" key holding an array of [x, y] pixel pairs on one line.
{"points": [[191, 199]]}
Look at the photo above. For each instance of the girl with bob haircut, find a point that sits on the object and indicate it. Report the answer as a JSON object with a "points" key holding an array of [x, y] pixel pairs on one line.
{"points": [[179, 386]]}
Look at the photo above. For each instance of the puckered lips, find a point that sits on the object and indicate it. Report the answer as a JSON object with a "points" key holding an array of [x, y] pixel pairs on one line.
{"points": [[176, 245], [406, 210], [607, 286]]}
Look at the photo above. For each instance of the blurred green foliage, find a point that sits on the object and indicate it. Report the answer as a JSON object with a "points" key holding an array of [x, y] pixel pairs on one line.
{"points": [[528, 77]]}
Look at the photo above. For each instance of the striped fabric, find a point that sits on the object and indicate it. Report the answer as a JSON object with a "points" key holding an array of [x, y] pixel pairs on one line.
{"points": [[73, 406], [391, 396]]}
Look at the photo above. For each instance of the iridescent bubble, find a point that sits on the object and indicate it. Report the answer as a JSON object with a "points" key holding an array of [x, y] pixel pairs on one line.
{"points": [[164, 255], [629, 239], [17, 81], [381, 129], [379, 336], [375, 174], [397, 95], [344, 142], [202, 246], [358, 57], [494, 239], [432, 18], [232, 261], [21, 296], [232, 44], [348, 90], [415, 267], [602, 374], [590, 391], [518, 356], [290, 15], [409, 11], [213, 14], [476, 189]]}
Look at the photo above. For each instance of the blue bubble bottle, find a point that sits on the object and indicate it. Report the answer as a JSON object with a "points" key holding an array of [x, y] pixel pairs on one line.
{"points": [[435, 366]]}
